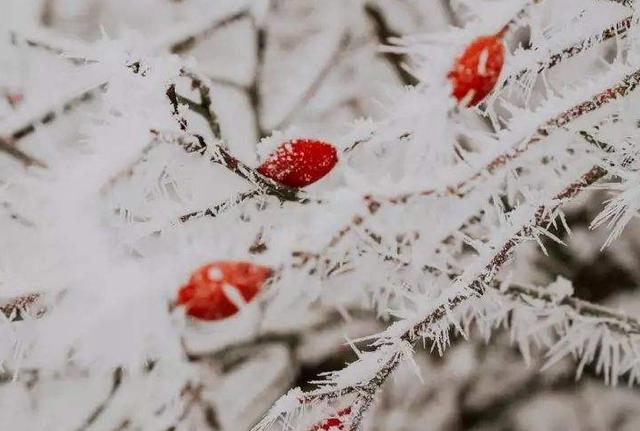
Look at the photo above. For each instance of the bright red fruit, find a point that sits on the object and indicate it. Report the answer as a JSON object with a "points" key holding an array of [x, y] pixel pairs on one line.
{"points": [[333, 423], [204, 297], [476, 71], [300, 162]]}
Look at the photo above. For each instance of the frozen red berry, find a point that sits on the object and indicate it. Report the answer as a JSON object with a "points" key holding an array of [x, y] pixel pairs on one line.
{"points": [[476, 71], [300, 162], [334, 423], [204, 296]]}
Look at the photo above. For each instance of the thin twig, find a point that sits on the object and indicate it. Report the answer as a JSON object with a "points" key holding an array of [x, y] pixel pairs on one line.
{"points": [[12, 131], [254, 91], [317, 82], [184, 44], [384, 34], [118, 375], [221, 207], [18, 154], [203, 108]]}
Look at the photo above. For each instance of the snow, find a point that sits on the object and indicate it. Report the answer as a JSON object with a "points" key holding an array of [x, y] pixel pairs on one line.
{"points": [[416, 225]]}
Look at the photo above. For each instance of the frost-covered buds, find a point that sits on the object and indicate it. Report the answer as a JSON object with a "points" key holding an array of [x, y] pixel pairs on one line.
{"points": [[300, 162], [476, 71], [205, 296]]}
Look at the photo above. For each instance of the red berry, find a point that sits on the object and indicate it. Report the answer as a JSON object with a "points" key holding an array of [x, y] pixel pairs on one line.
{"points": [[476, 71], [333, 423], [204, 297], [300, 162]]}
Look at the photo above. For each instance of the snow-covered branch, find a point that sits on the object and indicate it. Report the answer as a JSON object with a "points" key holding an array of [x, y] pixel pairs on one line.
{"points": [[394, 344], [261, 173]]}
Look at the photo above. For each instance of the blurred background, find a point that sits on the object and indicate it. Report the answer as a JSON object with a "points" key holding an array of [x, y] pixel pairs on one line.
{"points": [[316, 66]]}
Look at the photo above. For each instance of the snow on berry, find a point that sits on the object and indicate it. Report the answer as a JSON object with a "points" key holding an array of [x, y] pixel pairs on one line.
{"points": [[204, 296], [476, 71], [300, 162], [333, 423]]}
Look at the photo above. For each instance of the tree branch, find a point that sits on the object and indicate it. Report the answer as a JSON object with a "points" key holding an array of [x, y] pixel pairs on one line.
{"points": [[620, 28], [22, 127], [384, 34], [621, 89], [317, 82], [475, 287], [118, 375], [253, 90], [188, 42], [221, 207]]}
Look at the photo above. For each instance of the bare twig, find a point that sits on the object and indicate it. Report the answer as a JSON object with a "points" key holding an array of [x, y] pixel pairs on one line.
{"points": [[317, 82], [203, 108], [384, 34], [254, 91], [41, 39], [186, 43], [20, 126], [118, 375], [18, 154], [217, 209]]}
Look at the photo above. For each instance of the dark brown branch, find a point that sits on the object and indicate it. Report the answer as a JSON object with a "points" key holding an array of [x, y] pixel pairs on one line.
{"points": [[118, 375], [20, 131], [18, 154], [217, 209], [204, 108], [254, 91], [189, 42], [628, 3], [384, 33], [35, 42]]}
